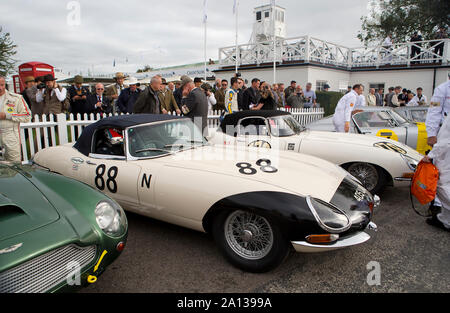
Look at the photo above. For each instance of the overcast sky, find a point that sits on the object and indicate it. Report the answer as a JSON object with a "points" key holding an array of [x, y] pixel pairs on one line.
{"points": [[157, 33]]}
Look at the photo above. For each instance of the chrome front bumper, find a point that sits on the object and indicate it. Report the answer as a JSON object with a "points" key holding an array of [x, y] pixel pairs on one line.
{"points": [[352, 240]]}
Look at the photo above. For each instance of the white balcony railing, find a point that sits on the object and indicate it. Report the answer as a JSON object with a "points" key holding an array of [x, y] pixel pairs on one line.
{"points": [[312, 50]]}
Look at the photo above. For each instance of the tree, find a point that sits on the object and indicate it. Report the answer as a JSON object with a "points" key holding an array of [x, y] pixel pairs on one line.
{"points": [[401, 18], [146, 68], [7, 51]]}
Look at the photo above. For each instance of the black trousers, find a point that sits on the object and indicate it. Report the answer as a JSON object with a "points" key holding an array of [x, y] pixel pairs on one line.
{"points": [[415, 51]]}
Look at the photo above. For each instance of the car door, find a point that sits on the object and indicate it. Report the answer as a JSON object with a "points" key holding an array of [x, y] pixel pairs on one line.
{"points": [[380, 124], [115, 177], [253, 132], [108, 170]]}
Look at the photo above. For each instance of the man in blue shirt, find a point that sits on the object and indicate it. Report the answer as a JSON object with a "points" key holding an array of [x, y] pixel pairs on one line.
{"points": [[310, 96]]}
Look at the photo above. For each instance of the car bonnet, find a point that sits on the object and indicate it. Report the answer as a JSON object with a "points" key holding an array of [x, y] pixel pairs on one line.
{"points": [[291, 172], [23, 208]]}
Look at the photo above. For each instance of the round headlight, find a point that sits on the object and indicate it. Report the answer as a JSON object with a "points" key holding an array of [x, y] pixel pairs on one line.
{"points": [[111, 218], [412, 163], [328, 216]]}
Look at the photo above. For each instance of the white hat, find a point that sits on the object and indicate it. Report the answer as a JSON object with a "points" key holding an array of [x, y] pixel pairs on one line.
{"points": [[131, 81]]}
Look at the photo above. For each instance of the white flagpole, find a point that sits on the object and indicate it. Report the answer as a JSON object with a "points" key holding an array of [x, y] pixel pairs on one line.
{"points": [[205, 22], [205, 48], [274, 44], [236, 12]]}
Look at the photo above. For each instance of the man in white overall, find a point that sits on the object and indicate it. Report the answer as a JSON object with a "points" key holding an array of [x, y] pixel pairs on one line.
{"points": [[441, 158], [437, 113], [344, 109]]}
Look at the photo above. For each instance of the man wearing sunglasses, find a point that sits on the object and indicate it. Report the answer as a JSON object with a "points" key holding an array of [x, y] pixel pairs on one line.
{"points": [[220, 96], [98, 103]]}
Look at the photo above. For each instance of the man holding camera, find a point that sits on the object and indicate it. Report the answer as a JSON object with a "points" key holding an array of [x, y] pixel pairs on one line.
{"points": [[297, 99], [78, 97], [52, 95], [310, 95], [13, 111], [97, 103]]}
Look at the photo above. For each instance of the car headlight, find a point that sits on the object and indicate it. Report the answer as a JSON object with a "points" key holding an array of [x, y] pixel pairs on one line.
{"points": [[412, 163], [329, 217], [111, 218], [353, 178]]}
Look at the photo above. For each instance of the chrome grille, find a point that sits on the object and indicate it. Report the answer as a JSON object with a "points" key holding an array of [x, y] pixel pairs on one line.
{"points": [[45, 271]]}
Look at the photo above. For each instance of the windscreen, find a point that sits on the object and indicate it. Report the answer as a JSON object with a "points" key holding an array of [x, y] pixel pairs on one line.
{"points": [[165, 138]]}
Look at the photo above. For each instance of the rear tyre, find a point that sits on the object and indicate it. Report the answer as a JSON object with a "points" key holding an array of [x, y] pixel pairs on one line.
{"points": [[249, 241], [371, 176]]}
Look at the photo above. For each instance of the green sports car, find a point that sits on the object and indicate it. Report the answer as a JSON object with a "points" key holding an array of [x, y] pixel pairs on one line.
{"points": [[56, 234]]}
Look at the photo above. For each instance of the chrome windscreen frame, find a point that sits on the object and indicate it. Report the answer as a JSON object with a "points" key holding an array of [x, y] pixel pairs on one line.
{"points": [[331, 230]]}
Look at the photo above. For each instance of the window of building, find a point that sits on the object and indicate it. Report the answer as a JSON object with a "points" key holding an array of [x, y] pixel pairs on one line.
{"points": [[267, 14], [320, 84], [258, 16], [343, 85], [377, 86]]}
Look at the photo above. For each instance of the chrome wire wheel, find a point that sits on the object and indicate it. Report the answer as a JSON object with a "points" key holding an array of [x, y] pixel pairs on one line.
{"points": [[366, 173], [248, 235]]}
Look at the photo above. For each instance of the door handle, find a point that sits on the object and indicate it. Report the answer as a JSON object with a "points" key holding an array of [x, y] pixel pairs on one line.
{"points": [[90, 163], [77, 160]]}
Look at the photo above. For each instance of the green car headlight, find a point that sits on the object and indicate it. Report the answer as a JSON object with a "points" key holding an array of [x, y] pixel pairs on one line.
{"points": [[412, 163], [111, 218]]}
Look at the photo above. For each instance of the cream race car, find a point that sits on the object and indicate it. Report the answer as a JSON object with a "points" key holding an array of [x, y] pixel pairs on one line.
{"points": [[384, 122], [257, 203], [376, 162]]}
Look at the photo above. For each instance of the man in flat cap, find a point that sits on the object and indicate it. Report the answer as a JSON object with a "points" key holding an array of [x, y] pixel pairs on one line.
{"points": [[167, 100], [113, 92], [78, 97], [29, 94]]}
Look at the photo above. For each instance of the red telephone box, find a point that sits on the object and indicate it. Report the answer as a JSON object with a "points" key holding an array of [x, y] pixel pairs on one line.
{"points": [[34, 69]]}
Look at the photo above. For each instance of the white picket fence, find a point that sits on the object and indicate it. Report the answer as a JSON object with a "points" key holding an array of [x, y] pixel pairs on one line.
{"points": [[64, 129]]}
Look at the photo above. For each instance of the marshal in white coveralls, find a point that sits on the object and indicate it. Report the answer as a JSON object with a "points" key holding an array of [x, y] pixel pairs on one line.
{"points": [[360, 102], [441, 158], [16, 112], [438, 111], [344, 111]]}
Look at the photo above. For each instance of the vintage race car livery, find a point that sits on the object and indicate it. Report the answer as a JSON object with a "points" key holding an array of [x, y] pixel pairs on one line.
{"points": [[56, 234], [257, 204], [373, 161], [382, 122]]}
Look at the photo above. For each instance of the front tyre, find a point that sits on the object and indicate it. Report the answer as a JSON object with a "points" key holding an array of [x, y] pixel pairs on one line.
{"points": [[371, 177], [250, 241]]}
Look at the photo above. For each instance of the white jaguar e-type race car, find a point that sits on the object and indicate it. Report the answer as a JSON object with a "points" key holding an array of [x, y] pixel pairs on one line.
{"points": [[376, 162], [256, 203]]}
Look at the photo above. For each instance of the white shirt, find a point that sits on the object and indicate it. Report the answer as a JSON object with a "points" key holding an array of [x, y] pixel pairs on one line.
{"points": [[387, 42], [211, 101], [61, 95], [345, 107], [416, 101]]}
